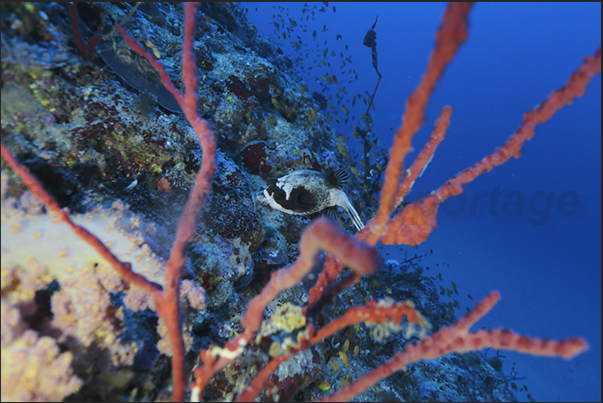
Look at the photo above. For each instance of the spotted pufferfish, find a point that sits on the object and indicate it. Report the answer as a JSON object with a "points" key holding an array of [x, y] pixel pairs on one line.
{"points": [[306, 192]]}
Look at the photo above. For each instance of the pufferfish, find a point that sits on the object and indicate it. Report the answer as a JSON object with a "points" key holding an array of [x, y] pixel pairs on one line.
{"points": [[305, 192]]}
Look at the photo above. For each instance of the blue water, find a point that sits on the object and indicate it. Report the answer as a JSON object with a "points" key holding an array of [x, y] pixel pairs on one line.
{"points": [[545, 260]]}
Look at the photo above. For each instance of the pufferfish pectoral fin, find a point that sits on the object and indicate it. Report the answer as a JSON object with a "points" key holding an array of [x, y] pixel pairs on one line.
{"points": [[331, 212], [337, 177]]}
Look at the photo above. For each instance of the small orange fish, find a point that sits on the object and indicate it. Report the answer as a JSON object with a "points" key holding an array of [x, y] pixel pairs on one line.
{"points": [[344, 358]]}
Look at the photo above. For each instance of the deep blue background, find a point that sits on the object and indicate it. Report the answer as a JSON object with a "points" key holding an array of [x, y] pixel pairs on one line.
{"points": [[549, 274]]}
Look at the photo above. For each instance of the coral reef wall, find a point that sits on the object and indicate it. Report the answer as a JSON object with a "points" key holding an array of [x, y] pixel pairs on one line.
{"points": [[110, 144]]}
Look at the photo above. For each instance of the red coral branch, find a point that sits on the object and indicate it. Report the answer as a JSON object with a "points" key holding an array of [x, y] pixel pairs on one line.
{"points": [[413, 225], [574, 88], [322, 235], [424, 158], [414, 234], [257, 384], [373, 312], [168, 306], [166, 300], [450, 36], [125, 269], [457, 338], [87, 48]]}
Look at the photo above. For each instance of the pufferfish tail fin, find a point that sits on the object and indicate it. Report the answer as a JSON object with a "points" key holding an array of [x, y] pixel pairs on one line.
{"points": [[343, 202]]}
